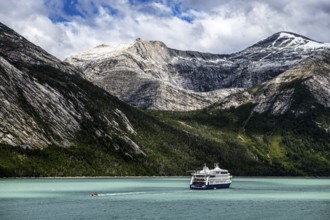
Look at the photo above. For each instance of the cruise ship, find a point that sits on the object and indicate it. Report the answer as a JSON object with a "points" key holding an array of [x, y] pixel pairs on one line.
{"points": [[206, 178]]}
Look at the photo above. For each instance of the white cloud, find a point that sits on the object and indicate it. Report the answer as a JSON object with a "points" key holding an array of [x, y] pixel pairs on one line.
{"points": [[215, 26]]}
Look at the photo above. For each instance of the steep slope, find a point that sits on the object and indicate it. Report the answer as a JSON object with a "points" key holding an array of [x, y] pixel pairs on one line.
{"points": [[56, 123], [46, 101], [149, 75]]}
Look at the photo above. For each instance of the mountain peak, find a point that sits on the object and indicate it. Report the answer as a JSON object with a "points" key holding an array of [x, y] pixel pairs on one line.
{"points": [[149, 43], [289, 38], [104, 51], [287, 34], [286, 39]]}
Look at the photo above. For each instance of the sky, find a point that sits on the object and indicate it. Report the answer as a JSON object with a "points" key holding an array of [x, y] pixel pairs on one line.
{"points": [[67, 27]]}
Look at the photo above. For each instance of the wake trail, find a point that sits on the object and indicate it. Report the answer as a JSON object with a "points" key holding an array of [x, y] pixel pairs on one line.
{"points": [[121, 194], [137, 193]]}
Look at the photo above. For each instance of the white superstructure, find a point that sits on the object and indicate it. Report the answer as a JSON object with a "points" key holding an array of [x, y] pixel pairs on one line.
{"points": [[210, 179]]}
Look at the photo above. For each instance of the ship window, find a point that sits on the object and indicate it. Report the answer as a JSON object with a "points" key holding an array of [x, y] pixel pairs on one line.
{"points": [[224, 172], [200, 176], [217, 172]]}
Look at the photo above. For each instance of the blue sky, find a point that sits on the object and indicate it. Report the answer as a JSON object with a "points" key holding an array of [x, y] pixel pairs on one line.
{"points": [[66, 10], [73, 8], [67, 27]]}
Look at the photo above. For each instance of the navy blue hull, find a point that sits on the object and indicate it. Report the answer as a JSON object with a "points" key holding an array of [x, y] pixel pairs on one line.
{"points": [[218, 186]]}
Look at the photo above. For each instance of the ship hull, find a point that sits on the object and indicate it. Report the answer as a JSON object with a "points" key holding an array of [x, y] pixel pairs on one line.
{"points": [[215, 186]]}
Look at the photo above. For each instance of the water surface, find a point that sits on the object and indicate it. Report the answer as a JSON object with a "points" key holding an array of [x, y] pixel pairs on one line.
{"points": [[163, 198]]}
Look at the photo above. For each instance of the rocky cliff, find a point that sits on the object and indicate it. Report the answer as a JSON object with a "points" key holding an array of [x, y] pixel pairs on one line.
{"points": [[45, 101]]}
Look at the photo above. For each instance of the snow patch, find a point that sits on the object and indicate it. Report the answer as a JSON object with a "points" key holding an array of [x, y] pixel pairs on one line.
{"points": [[103, 51], [300, 42]]}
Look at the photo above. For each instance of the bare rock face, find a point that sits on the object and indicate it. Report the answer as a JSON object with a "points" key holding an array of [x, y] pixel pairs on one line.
{"points": [[25, 101], [45, 101], [149, 75], [297, 90]]}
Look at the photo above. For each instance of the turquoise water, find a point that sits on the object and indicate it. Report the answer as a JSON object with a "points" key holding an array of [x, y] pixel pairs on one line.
{"points": [[163, 198]]}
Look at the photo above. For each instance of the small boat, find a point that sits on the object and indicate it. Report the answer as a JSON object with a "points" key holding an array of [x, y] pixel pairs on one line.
{"points": [[94, 194], [216, 178]]}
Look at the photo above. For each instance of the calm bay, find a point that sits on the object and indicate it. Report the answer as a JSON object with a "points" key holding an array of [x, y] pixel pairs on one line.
{"points": [[163, 198]]}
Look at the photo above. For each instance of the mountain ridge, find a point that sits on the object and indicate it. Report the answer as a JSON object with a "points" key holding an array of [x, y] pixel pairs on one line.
{"points": [[284, 35], [138, 70]]}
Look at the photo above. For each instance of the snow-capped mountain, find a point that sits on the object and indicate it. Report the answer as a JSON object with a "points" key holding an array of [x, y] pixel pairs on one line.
{"points": [[149, 75]]}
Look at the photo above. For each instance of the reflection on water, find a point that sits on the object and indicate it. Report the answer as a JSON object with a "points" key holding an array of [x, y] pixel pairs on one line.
{"points": [[163, 198]]}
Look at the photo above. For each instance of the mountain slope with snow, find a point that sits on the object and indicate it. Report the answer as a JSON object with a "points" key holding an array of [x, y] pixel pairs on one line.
{"points": [[309, 78], [149, 75], [143, 74]]}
